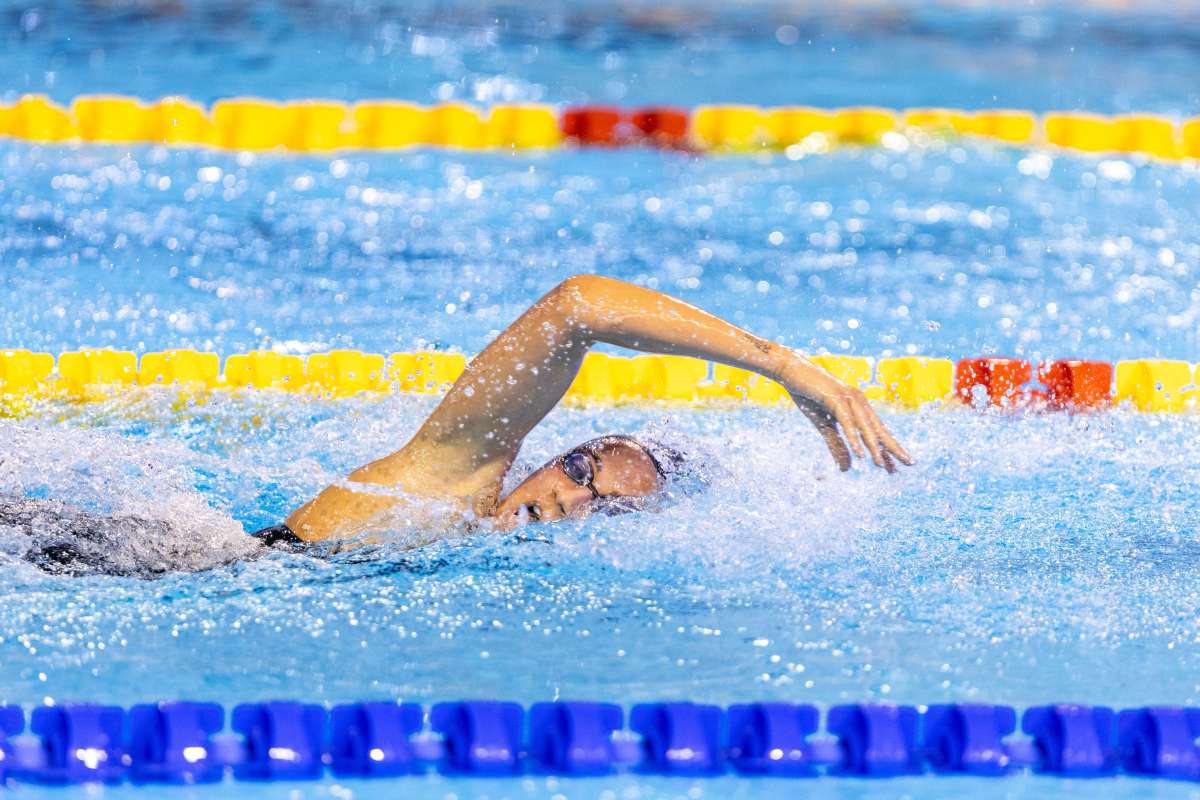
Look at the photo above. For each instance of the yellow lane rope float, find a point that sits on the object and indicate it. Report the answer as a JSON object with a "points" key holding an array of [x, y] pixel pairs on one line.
{"points": [[906, 382], [316, 126]]}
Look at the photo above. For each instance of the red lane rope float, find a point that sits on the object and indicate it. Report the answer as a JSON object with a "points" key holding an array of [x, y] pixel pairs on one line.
{"points": [[1077, 384], [665, 127], [1148, 385], [596, 125], [248, 123], [999, 380], [609, 126]]}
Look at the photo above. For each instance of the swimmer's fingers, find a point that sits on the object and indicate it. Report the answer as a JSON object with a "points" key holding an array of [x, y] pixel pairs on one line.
{"points": [[894, 447], [870, 435], [867, 426], [874, 434], [835, 443], [888, 444], [843, 411], [861, 429], [827, 427]]}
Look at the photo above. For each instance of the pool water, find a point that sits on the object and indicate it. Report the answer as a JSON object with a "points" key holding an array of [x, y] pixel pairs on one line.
{"points": [[942, 250], [894, 53], [1025, 559]]}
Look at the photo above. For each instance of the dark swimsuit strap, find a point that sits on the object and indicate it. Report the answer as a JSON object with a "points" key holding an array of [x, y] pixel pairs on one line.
{"points": [[280, 536]]}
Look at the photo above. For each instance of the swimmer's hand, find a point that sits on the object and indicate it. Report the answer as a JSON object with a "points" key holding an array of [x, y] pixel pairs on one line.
{"points": [[830, 404]]}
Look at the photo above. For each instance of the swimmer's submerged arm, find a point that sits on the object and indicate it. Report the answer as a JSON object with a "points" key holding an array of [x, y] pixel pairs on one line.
{"points": [[519, 378]]}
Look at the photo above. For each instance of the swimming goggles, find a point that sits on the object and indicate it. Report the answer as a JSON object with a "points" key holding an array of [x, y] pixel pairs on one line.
{"points": [[578, 467]]}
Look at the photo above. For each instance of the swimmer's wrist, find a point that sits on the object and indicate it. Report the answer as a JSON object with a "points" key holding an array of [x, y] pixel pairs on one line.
{"points": [[799, 375], [789, 372]]}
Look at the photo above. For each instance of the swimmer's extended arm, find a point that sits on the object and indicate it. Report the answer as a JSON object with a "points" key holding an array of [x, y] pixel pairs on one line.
{"points": [[523, 374], [470, 440]]}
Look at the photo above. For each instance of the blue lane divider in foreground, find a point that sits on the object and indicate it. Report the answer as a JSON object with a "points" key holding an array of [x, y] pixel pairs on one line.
{"points": [[184, 742]]}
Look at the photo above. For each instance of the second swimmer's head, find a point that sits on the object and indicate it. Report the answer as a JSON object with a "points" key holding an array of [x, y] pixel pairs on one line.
{"points": [[609, 474]]}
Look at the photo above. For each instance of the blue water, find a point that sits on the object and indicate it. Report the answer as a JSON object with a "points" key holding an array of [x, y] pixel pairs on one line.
{"points": [[944, 251], [1013, 54], [1024, 559]]}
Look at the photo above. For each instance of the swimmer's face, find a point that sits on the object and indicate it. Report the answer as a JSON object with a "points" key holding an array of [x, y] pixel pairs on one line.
{"points": [[571, 484]]}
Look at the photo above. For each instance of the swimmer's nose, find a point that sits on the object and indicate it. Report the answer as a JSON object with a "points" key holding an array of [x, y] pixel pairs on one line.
{"points": [[507, 519], [551, 510], [520, 515], [576, 502]]}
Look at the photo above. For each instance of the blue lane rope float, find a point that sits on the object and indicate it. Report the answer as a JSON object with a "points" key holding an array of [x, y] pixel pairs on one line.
{"points": [[183, 742]]}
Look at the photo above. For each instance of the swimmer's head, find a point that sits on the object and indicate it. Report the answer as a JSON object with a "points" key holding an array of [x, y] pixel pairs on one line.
{"points": [[610, 474]]}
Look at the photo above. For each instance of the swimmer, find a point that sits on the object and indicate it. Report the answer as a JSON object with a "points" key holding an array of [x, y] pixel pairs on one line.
{"points": [[463, 451], [465, 448]]}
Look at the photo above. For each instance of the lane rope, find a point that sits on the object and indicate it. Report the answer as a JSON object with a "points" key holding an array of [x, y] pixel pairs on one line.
{"points": [[322, 126], [909, 382], [184, 742]]}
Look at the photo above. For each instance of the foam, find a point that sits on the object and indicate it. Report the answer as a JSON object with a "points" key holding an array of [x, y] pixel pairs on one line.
{"points": [[136, 501]]}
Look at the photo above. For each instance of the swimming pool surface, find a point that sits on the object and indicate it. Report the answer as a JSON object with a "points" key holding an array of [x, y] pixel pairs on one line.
{"points": [[1025, 559]]}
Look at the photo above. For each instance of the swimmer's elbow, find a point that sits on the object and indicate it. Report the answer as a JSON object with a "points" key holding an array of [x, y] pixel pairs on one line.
{"points": [[577, 289], [577, 297], [584, 283]]}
